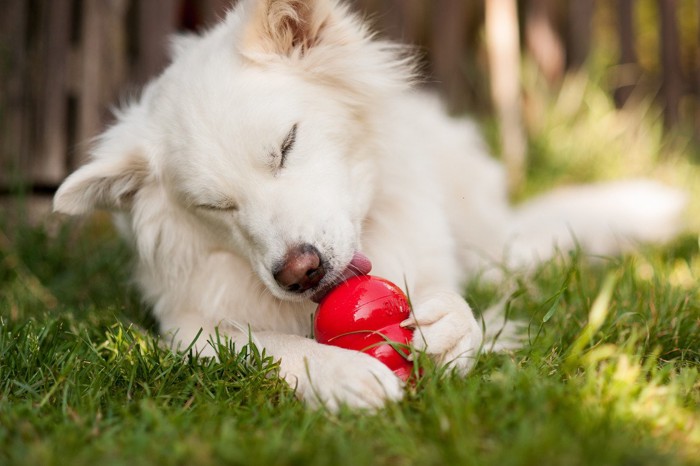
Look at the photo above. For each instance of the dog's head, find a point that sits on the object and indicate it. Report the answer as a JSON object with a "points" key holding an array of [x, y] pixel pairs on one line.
{"points": [[260, 136]]}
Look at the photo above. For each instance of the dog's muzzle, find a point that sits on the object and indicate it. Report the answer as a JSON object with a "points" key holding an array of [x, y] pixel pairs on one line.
{"points": [[301, 269]]}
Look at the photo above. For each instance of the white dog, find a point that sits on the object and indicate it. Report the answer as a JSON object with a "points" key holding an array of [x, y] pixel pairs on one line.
{"points": [[282, 149]]}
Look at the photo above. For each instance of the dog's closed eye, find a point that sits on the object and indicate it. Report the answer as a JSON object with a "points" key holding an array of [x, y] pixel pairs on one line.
{"points": [[287, 145], [223, 206]]}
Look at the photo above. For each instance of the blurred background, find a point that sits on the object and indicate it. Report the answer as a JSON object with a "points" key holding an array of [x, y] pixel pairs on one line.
{"points": [[588, 89]]}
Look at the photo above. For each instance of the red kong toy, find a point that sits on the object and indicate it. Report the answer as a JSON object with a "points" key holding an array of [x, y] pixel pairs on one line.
{"points": [[363, 313]]}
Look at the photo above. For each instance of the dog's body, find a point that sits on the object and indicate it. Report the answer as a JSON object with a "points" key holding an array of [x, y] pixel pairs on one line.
{"points": [[287, 136]]}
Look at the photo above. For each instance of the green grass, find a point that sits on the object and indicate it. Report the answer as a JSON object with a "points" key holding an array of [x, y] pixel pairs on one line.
{"points": [[84, 380]]}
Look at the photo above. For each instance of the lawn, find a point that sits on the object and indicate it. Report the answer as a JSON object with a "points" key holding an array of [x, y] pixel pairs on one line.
{"points": [[84, 380]]}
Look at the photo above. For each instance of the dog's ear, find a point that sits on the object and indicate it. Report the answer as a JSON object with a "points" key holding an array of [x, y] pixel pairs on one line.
{"points": [[285, 27], [110, 181]]}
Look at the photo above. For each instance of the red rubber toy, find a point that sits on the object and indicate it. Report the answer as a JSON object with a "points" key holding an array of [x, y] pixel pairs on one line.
{"points": [[361, 314]]}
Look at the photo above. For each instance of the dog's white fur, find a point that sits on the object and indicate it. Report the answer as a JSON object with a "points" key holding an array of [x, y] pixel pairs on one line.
{"points": [[195, 168]]}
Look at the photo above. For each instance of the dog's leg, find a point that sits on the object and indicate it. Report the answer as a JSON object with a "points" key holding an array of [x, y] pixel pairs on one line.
{"points": [[330, 376], [423, 259], [322, 375], [445, 328]]}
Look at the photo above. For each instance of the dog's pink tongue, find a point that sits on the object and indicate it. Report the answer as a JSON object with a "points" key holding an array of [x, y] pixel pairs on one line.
{"points": [[359, 265]]}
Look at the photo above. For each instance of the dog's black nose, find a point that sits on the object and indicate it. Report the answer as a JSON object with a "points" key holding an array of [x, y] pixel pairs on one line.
{"points": [[301, 269]]}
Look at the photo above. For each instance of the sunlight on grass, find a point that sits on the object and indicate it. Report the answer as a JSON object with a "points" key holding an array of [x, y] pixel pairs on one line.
{"points": [[577, 135], [596, 317], [628, 386], [580, 134]]}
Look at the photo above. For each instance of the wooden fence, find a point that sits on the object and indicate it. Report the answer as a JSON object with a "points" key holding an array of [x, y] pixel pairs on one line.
{"points": [[66, 63], [63, 63]]}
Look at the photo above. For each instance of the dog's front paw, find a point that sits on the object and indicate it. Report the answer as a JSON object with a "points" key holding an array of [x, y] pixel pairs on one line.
{"points": [[446, 330], [331, 377]]}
